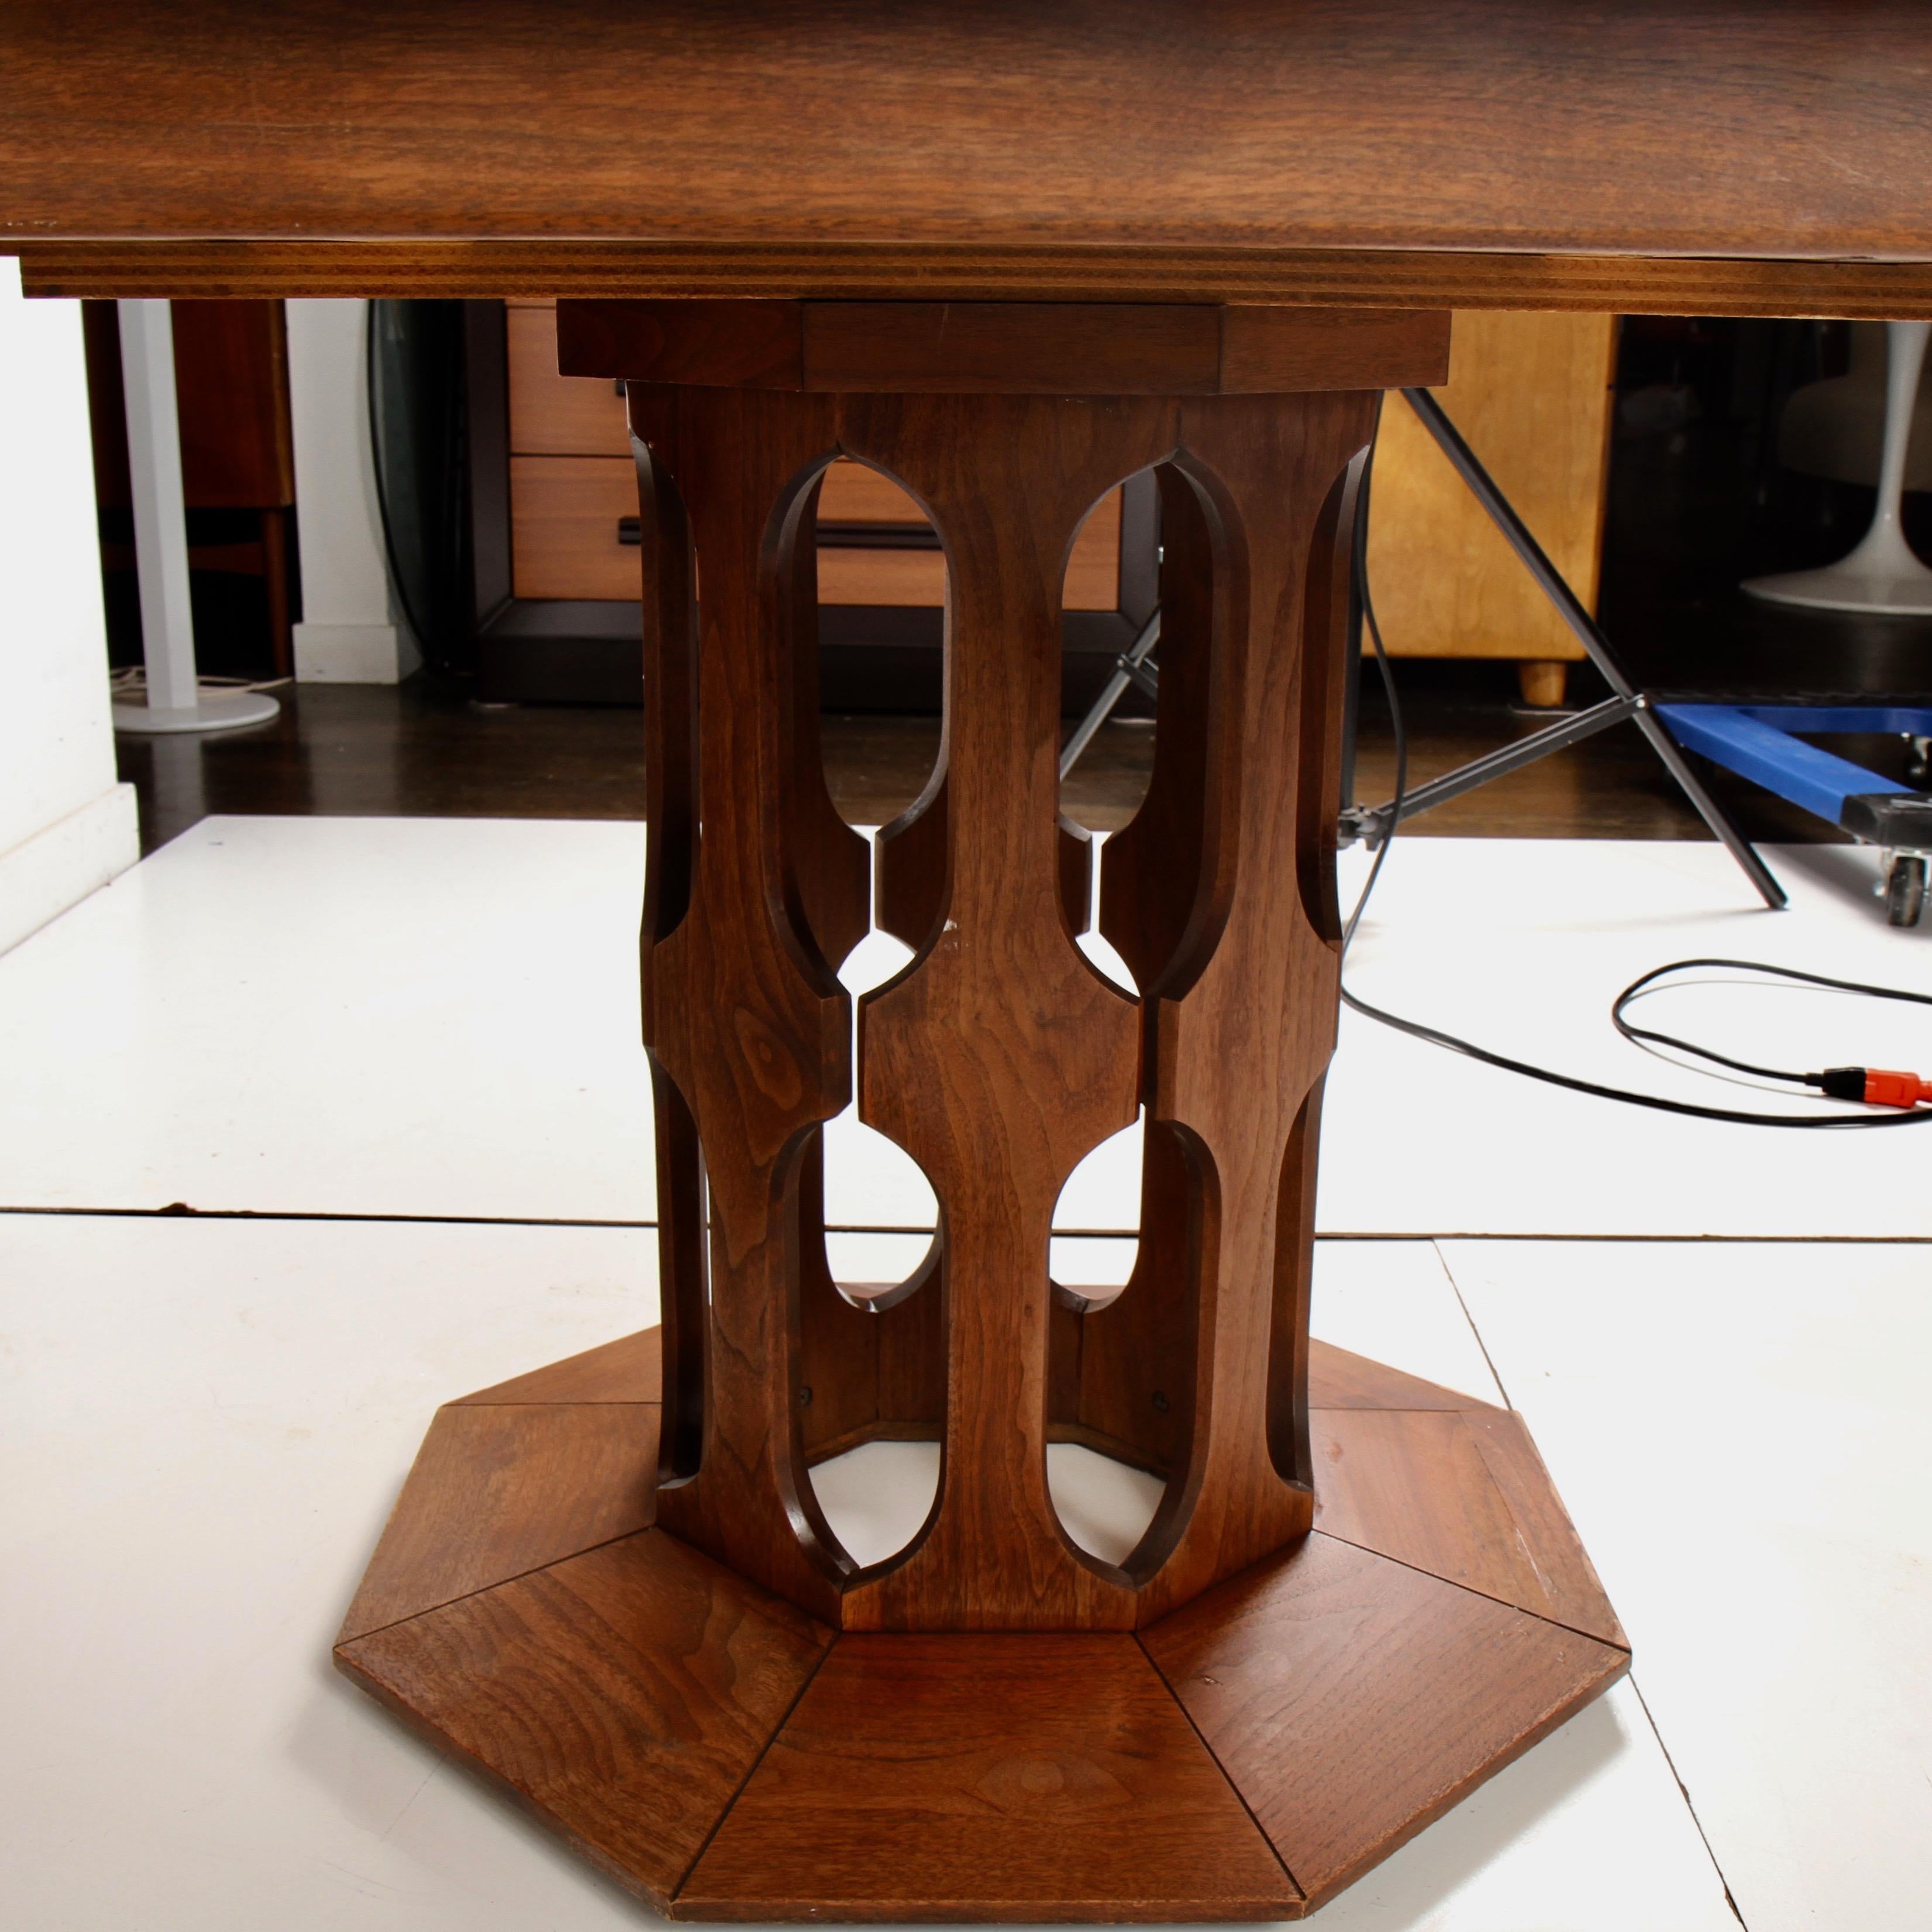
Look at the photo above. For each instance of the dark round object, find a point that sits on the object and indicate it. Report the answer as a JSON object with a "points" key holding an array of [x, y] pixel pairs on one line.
{"points": [[1905, 890]]}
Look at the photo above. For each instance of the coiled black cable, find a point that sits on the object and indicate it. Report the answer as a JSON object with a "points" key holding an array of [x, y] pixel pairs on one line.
{"points": [[1638, 1035]]}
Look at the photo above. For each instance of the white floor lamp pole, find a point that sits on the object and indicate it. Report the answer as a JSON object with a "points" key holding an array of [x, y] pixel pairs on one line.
{"points": [[175, 700], [1882, 575]]}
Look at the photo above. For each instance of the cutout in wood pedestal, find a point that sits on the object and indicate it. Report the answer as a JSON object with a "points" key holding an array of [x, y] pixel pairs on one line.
{"points": [[726, 1757]]}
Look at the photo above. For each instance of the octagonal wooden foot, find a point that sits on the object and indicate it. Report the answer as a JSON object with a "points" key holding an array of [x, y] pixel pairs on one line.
{"points": [[726, 1757]]}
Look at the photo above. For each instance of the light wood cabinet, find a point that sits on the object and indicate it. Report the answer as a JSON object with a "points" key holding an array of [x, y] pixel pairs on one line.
{"points": [[1532, 395]]}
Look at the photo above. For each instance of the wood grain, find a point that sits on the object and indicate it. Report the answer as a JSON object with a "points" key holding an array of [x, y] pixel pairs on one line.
{"points": [[742, 1009], [625, 1694], [1532, 395], [231, 389], [1416, 1485], [1352, 1699], [1568, 1577], [629, 1370], [1001, 348], [1000, 1036], [1692, 130], [1268, 475], [1578, 284], [1047, 1778], [980, 348], [565, 510], [564, 513], [1338, 1379], [1000, 1058], [553, 415], [495, 1491]]}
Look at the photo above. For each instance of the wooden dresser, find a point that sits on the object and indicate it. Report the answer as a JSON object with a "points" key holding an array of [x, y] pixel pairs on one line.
{"points": [[564, 624], [1531, 391]]}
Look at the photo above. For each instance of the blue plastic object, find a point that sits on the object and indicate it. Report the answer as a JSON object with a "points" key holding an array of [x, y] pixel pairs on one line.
{"points": [[1758, 741]]}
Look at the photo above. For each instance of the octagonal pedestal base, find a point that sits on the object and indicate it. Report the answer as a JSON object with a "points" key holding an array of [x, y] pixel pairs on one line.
{"points": [[727, 1757]]}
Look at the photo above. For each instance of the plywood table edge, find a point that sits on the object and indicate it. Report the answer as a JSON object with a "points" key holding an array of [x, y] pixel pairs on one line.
{"points": [[539, 268]]}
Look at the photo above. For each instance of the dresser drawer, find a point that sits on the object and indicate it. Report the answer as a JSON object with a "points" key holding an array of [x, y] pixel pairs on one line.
{"points": [[552, 415], [565, 515]]}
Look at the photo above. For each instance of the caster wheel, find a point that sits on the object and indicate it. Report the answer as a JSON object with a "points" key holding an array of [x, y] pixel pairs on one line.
{"points": [[1905, 891]]}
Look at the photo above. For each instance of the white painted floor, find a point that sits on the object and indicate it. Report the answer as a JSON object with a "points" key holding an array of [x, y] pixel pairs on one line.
{"points": [[202, 1421], [1743, 1436], [438, 1017], [1520, 945]]}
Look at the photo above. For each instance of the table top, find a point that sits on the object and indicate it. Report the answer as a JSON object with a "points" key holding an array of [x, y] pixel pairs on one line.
{"points": [[1668, 153]]}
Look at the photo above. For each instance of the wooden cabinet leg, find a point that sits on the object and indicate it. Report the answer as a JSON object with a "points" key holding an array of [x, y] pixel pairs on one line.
{"points": [[1543, 682]]}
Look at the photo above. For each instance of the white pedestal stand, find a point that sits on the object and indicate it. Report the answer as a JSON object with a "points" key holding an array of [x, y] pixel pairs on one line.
{"points": [[175, 700], [1882, 575]]}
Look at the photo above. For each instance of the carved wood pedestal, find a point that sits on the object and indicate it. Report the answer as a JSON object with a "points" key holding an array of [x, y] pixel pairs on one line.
{"points": [[609, 1585]]}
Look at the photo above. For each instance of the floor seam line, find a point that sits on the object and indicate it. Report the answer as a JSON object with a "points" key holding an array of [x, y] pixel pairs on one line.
{"points": [[175, 1213], [1456, 1289], [172, 1213], [1683, 1791]]}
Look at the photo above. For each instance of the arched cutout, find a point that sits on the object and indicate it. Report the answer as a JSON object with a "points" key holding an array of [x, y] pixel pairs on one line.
{"points": [[827, 863], [1096, 1222], [1104, 1504], [878, 1496], [1294, 1268], [1164, 890], [670, 577], [879, 1204], [876, 544], [1107, 593], [1330, 631], [1167, 877], [876, 1339]]}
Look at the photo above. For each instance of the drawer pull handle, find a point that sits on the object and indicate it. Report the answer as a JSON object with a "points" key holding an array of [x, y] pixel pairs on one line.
{"points": [[876, 536], [832, 536]]}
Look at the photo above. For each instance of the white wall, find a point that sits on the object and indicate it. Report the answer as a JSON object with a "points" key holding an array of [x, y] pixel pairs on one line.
{"points": [[348, 633], [66, 827]]}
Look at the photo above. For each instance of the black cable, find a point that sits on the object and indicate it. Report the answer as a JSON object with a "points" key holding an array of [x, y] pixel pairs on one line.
{"points": [[372, 389], [1643, 1035], [1450, 1041], [1359, 567]]}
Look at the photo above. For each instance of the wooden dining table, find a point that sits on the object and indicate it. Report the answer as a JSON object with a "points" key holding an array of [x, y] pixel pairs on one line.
{"points": [[1009, 256]]}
